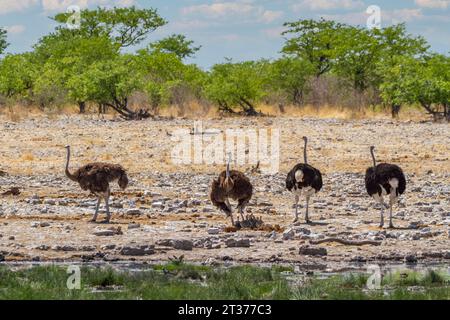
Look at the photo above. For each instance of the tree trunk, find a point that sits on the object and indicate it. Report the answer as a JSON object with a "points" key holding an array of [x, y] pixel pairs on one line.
{"points": [[82, 106], [298, 97], [249, 109], [224, 107], [395, 110], [122, 108]]}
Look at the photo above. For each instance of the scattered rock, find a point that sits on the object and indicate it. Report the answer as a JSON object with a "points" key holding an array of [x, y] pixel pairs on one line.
{"points": [[213, 231], [411, 259], [182, 244], [14, 191], [134, 212], [289, 234], [237, 243], [64, 248], [108, 232], [142, 250], [133, 226], [312, 251]]}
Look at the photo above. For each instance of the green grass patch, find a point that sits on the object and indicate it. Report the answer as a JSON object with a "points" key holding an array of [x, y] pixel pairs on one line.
{"points": [[177, 280]]}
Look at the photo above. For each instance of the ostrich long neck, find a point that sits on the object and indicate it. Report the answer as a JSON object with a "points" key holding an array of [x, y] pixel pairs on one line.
{"points": [[228, 169], [373, 158], [304, 152], [68, 174]]}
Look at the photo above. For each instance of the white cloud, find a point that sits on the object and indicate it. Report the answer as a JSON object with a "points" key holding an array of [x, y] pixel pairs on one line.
{"points": [[315, 5], [441, 4], [402, 15], [7, 6], [62, 5], [15, 29], [270, 16], [387, 17], [225, 10], [219, 10]]}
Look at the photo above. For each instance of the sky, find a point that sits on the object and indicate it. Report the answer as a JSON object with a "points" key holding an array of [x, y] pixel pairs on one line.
{"points": [[237, 29]]}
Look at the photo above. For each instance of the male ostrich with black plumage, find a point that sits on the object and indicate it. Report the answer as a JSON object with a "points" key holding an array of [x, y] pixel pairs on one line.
{"points": [[231, 184], [96, 177], [304, 180], [385, 179]]}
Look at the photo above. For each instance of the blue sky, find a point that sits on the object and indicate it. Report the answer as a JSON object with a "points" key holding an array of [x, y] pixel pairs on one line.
{"points": [[238, 29]]}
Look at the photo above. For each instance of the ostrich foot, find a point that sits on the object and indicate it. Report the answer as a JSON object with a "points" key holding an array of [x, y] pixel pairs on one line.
{"points": [[93, 221], [308, 221], [295, 220], [391, 226]]}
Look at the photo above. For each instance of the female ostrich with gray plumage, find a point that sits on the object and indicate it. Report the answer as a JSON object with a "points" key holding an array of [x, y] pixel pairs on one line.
{"points": [[231, 184], [96, 177], [384, 179], [304, 180]]}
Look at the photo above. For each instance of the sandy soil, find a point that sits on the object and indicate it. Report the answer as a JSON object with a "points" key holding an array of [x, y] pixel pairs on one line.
{"points": [[166, 212]]}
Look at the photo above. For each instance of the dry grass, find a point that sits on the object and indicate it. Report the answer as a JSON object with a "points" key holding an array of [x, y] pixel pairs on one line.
{"points": [[28, 157], [195, 110]]}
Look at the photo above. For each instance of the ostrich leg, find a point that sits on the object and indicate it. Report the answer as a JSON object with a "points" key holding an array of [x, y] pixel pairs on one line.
{"points": [[380, 200], [241, 206], [108, 214], [296, 208], [307, 210], [382, 216], [392, 197], [241, 211], [232, 220], [96, 210]]}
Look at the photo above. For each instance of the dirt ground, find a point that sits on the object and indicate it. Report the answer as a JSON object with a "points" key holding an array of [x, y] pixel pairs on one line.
{"points": [[166, 211]]}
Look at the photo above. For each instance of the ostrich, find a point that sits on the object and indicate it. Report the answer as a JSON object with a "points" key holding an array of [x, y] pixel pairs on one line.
{"points": [[231, 184], [96, 177], [305, 180], [384, 179]]}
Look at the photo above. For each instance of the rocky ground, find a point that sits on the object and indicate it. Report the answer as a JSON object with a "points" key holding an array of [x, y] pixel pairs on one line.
{"points": [[166, 211]]}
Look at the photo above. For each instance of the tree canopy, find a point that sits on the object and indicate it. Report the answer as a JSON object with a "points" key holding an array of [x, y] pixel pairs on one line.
{"points": [[323, 62], [127, 26], [3, 42], [177, 44]]}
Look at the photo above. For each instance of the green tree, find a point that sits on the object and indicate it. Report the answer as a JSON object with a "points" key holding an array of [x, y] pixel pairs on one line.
{"points": [[127, 26], [288, 77], [357, 55], [424, 81], [432, 86], [314, 41], [63, 60], [177, 44], [396, 45], [165, 75], [3, 42], [17, 74], [112, 82], [237, 84]]}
